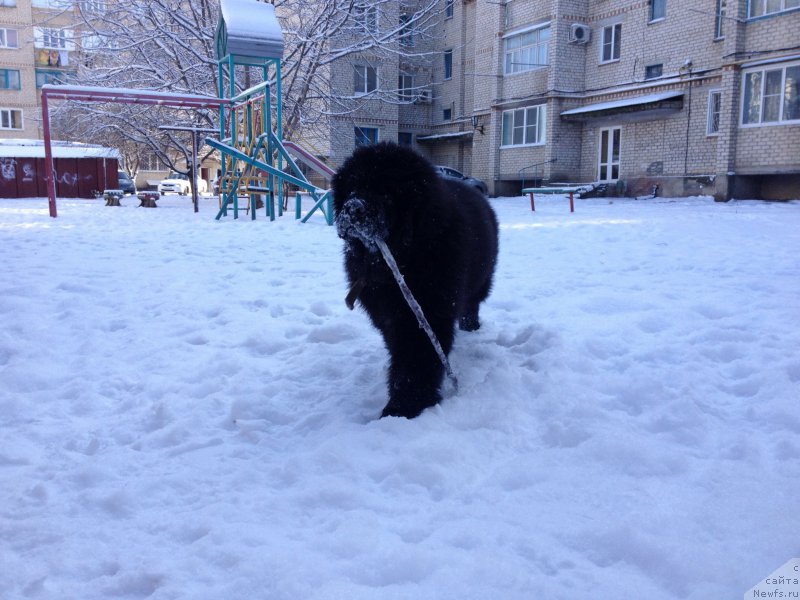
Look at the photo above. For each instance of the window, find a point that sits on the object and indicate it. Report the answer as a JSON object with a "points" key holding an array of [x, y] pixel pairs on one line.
{"points": [[54, 4], [612, 43], [365, 79], [771, 95], [96, 6], [405, 138], [448, 9], [448, 64], [527, 50], [9, 79], [366, 17], [54, 77], [714, 111], [151, 162], [53, 38], [10, 118], [8, 2], [658, 9], [8, 38], [759, 8], [406, 31], [719, 21], [405, 87], [524, 126], [447, 114], [366, 136], [653, 71]]}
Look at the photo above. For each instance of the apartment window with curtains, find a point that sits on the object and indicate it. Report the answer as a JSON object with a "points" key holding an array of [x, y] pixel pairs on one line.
{"points": [[611, 48], [758, 8], [771, 95], [524, 126], [9, 38], [714, 111]]}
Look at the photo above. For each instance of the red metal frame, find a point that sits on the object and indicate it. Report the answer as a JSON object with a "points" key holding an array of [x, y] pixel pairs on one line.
{"points": [[119, 95]]}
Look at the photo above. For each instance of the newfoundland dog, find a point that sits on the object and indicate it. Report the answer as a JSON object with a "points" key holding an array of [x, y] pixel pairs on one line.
{"points": [[443, 236]]}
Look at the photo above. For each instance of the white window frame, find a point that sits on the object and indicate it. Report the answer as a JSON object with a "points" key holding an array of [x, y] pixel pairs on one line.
{"points": [[614, 43], [53, 38], [6, 117], [714, 112], [92, 6], [764, 72], [406, 86], [52, 4], [532, 53], [362, 75], [764, 4], [5, 35], [511, 118], [610, 163]]}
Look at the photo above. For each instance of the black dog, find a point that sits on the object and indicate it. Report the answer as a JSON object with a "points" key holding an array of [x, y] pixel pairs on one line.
{"points": [[443, 235]]}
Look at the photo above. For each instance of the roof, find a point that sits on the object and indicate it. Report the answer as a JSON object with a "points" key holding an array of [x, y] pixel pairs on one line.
{"points": [[624, 103], [444, 136], [21, 148], [249, 28]]}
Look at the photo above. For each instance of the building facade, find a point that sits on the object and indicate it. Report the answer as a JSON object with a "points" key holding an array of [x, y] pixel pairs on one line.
{"points": [[692, 97]]}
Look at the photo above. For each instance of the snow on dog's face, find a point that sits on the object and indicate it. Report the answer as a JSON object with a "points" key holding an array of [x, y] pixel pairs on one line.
{"points": [[361, 219]]}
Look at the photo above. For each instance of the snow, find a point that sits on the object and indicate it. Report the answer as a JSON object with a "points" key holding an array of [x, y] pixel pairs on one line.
{"points": [[24, 148], [625, 102], [188, 410], [251, 19]]}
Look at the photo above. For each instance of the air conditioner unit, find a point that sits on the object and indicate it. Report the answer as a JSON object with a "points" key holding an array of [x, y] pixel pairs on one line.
{"points": [[579, 33], [424, 97]]}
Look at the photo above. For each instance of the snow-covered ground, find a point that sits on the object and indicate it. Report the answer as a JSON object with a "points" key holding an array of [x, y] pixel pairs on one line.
{"points": [[188, 410]]}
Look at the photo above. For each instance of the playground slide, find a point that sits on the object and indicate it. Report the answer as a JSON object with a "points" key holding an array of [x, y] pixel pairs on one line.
{"points": [[312, 161]]}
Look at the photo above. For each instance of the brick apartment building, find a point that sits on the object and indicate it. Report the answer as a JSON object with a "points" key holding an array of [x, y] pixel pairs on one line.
{"points": [[695, 97]]}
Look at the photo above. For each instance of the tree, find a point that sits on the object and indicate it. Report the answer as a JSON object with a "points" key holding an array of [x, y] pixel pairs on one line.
{"points": [[168, 45]]}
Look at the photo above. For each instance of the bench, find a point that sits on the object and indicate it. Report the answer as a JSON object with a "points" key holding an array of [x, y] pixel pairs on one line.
{"points": [[112, 197], [553, 190], [148, 199]]}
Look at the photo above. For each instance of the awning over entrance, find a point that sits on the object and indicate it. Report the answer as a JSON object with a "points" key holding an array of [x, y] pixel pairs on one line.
{"points": [[444, 137], [636, 108]]}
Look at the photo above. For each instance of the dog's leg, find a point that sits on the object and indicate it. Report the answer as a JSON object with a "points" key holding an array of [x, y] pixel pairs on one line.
{"points": [[415, 372]]}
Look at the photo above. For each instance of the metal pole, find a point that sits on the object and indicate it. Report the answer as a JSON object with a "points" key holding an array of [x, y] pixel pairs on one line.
{"points": [[50, 176], [193, 171]]}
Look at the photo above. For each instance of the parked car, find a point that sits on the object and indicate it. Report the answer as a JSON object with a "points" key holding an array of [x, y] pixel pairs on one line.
{"points": [[450, 173], [178, 183], [126, 184]]}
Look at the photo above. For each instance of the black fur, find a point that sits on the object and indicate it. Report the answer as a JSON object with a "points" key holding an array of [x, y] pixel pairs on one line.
{"points": [[443, 235]]}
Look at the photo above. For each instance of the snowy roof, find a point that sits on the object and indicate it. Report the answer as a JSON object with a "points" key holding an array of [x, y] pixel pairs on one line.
{"points": [[636, 100], [249, 28], [443, 136], [21, 148]]}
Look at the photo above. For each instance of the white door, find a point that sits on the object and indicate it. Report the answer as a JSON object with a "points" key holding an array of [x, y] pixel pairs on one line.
{"points": [[608, 156]]}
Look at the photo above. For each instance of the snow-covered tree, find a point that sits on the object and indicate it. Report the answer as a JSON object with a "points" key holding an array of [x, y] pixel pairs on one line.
{"points": [[168, 45]]}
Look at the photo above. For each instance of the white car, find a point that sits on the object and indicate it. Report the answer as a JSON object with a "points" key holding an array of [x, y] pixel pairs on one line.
{"points": [[178, 183]]}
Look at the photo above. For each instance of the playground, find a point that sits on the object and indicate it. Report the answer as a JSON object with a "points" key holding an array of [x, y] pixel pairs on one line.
{"points": [[257, 164]]}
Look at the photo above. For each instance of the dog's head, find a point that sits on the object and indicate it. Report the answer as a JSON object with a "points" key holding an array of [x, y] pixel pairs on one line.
{"points": [[375, 193]]}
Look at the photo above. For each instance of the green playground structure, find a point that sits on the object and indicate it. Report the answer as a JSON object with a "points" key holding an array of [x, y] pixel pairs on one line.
{"points": [[256, 162]]}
